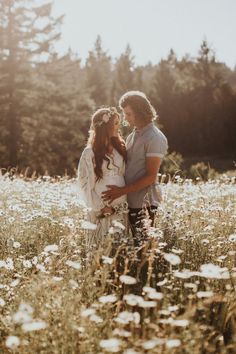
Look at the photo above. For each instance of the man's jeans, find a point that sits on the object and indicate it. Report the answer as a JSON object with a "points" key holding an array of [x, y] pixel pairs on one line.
{"points": [[140, 219]]}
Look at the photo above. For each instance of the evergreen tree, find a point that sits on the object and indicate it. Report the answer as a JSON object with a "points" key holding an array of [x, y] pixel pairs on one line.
{"points": [[57, 124], [124, 74], [27, 31], [99, 74]]}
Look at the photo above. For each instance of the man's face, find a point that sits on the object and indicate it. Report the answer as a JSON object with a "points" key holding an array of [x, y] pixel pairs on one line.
{"points": [[129, 115]]}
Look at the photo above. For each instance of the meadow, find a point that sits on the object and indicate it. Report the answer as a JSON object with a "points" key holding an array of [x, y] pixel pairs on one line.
{"points": [[175, 294]]}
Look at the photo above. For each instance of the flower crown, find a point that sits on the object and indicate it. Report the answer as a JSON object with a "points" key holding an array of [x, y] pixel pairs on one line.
{"points": [[105, 118]]}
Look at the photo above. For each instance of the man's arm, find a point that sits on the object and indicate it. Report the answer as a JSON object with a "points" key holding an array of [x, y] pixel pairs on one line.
{"points": [[152, 169]]}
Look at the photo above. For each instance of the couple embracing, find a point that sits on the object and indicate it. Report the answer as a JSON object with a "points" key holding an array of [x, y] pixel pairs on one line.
{"points": [[117, 179]]}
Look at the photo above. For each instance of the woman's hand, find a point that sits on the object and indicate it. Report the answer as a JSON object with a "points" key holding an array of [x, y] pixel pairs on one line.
{"points": [[107, 211]]}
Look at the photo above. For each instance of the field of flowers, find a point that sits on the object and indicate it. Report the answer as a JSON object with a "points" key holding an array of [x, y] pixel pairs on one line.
{"points": [[175, 294]]}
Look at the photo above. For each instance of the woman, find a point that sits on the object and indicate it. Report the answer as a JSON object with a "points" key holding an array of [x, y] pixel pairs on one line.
{"points": [[102, 163]]}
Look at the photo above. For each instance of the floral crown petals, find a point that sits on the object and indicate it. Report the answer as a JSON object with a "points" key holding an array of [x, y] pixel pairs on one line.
{"points": [[105, 118]]}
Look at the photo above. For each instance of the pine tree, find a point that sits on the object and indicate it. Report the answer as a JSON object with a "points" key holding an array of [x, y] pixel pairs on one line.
{"points": [[27, 31], [124, 73], [56, 127], [99, 75]]}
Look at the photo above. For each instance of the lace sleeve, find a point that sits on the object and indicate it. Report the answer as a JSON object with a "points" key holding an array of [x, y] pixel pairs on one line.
{"points": [[86, 181]]}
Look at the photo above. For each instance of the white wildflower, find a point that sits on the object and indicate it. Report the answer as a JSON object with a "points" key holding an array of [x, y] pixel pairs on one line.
{"points": [[34, 326], [2, 302], [147, 304], [34, 260], [69, 222], [177, 251], [205, 241], [201, 294], [112, 345], [9, 264], [74, 284], [74, 265], [133, 300], [185, 274], [232, 238], [173, 322], [173, 308], [107, 299], [163, 282], [24, 314], [118, 224], [213, 271], [96, 318], [127, 279], [125, 317], [51, 248], [121, 332], [2, 264], [12, 342], [88, 312], [57, 279], [107, 260], [15, 282], [173, 259], [87, 225], [152, 343], [152, 293], [130, 351], [173, 343], [164, 312], [5, 287], [190, 286], [41, 268], [181, 323], [27, 263], [16, 244], [114, 230]]}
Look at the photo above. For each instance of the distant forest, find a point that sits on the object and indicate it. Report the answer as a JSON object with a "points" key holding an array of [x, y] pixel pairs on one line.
{"points": [[46, 100]]}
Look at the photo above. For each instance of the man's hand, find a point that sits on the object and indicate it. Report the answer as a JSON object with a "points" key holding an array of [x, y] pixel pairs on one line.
{"points": [[113, 193]]}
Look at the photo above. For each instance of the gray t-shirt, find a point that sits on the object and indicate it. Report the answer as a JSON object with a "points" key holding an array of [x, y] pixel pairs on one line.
{"points": [[149, 141]]}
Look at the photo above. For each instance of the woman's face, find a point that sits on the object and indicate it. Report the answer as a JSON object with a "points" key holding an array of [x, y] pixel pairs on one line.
{"points": [[115, 126]]}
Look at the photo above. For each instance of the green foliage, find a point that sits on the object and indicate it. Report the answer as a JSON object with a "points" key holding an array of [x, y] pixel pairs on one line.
{"points": [[123, 74], [172, 164], [201, 171], [23, 40], [46, 101], [56, 128], [98, 74]]}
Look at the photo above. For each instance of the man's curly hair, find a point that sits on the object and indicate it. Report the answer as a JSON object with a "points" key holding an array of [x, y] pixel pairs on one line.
{"points": [[140, 105]]}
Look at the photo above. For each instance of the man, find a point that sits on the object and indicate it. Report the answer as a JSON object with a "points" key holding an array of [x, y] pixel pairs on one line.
{"points": [[146, 147]]}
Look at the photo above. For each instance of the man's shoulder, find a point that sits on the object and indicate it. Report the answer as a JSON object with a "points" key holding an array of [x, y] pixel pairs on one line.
{"points": [[155, 133]]}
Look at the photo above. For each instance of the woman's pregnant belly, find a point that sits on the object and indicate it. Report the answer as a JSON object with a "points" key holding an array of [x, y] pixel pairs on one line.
{"points": [[101, 186]]}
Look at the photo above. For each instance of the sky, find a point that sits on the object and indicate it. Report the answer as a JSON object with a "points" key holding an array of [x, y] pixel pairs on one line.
{"points": [[150, 27]]}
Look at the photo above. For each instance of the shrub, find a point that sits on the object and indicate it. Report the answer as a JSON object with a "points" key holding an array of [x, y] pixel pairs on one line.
{"points": [[172, 163], [202, 171]]}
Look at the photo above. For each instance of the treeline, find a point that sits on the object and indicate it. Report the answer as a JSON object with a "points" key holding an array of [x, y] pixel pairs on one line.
{"points": [[46, 100]]}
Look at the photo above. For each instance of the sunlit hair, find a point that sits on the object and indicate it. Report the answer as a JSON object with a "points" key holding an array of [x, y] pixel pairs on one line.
{"points": [[99, 138], [140, 104]]}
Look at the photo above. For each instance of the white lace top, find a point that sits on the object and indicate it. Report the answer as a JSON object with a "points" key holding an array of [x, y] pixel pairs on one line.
{"points": [[90, 190]]}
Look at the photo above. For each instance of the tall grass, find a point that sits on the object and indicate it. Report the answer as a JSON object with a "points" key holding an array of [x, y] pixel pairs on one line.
{"points": [[175, 294]]}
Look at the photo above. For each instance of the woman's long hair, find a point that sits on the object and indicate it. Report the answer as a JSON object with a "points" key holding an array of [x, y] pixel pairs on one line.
{"points": [[100, 138]]}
